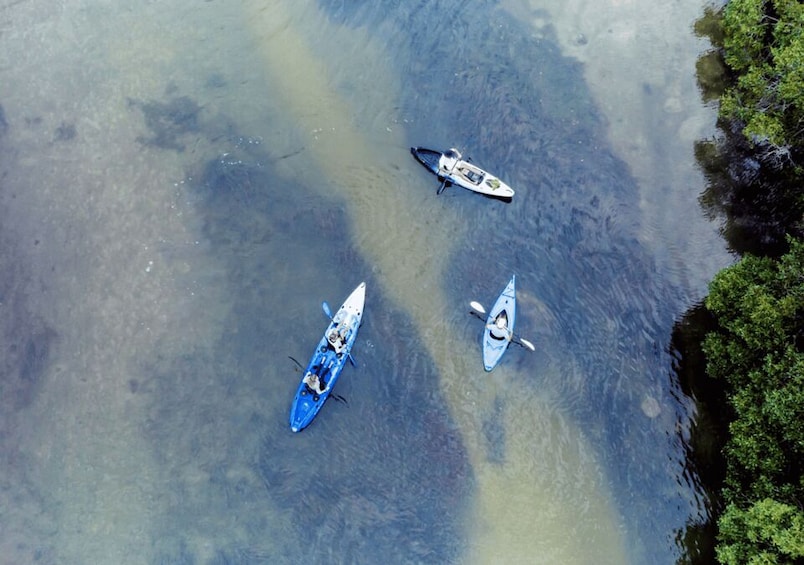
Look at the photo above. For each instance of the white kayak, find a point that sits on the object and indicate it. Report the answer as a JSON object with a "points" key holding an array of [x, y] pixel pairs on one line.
{"points": [[450, 167]]}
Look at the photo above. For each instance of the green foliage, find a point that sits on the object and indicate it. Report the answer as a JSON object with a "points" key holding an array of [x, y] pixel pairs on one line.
{"points": [[744, 33], [758, 349], [767, 532], [764, 46]]}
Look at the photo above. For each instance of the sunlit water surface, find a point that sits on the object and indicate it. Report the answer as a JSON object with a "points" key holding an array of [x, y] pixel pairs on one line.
{"points": [[183, 184]]}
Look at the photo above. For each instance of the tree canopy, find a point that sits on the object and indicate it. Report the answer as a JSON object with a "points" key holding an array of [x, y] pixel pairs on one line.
{"points": [[755, 169], [764, 46], [758, 350], [754, 343]]}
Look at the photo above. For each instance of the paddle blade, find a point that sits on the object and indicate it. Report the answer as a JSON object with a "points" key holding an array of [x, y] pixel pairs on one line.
{"points": [[477, 307], [299, 365], [327, 311], [527, 344]]}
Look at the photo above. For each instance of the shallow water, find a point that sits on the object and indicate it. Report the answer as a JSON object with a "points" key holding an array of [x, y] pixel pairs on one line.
{"points": [[183, 185]]}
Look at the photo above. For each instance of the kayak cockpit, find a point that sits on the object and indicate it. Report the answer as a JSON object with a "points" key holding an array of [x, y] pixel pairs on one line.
{"points": [[498, 329], [450, 167], [338, 337], [471, 174]]}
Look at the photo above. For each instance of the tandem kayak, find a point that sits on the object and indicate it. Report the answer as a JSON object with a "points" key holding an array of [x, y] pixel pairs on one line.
{"points": [[450, 168], [328, 361], [499, 329]]}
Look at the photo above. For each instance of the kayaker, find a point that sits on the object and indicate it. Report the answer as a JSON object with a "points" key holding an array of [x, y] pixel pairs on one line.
{"points": [[337, 337], [336, 340], [314, 383], [499, 329], [449, 160]]}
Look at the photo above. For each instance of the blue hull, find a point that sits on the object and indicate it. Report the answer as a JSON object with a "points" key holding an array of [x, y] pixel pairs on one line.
{"points": [[328, 360], [306, 403]]}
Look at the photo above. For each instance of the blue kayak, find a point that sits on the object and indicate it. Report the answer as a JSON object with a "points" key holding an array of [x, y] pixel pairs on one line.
{"points": [[500, 326], [328, 360]]}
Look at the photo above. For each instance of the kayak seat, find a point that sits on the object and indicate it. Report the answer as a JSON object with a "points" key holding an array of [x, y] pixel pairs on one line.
{"points": [[470, 175]]}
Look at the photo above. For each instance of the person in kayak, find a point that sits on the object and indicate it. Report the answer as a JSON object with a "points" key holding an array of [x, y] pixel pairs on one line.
{"points": [[336, 339], [448, 161], [499, 328], [314, 383]]}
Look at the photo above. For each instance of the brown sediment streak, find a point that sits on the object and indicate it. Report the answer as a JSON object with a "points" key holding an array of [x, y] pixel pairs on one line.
{"points": [[545, 501]]}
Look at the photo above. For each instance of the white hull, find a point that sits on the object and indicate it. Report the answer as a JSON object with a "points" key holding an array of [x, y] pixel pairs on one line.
{"points": [[471, 177]]}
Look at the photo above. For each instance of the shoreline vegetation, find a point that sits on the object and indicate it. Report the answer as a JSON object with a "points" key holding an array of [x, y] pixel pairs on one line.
{"points": [[750, 328]]}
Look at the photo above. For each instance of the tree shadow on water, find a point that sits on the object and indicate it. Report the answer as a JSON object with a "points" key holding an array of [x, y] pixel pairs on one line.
{"points": [[750, 196], [752, 187], [704, 462]]}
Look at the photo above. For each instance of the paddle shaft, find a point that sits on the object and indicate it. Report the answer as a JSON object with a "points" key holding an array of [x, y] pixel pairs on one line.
{"points": [[514, 337]]}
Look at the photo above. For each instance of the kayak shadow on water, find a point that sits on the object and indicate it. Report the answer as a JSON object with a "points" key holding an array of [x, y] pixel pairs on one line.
{"points": [[493, 427], [385, 474]]}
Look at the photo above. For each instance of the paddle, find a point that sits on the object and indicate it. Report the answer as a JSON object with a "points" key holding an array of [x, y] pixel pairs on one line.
{"points": [[338, 397], [332, 394], [299, 365], [442, 187], [328, 312], [477, 310]]}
